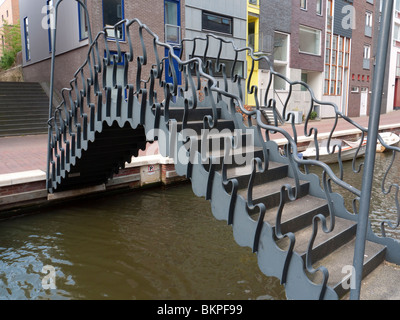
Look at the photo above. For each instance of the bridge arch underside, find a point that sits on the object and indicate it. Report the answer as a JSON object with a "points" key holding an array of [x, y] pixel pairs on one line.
{"points": [[104, 156]]}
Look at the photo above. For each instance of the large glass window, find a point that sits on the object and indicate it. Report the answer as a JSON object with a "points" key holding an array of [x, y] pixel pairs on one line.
{"points": [[113, 12], [310, 40], [216, 22]]}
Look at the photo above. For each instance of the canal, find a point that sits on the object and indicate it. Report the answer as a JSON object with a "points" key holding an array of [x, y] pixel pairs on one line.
{"points": [[152, 244], [149, 244]]}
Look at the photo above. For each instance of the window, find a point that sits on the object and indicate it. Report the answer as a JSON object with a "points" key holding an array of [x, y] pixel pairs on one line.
{"points": [[27, 43], [216, 22], [368, 24], [304, 78], [310, 40], [319, 7], [336, 63], [281, 46], [396, 32], [303, 4], [83, 26], [113, 12], [279, 83], [237, 66], [281, 59], [366, 56], [396, 35], [172, 21], [251, 30], [398, 65]]}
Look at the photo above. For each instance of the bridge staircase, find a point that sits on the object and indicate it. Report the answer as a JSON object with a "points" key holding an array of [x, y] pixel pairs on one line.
{"points": [[300, 230]]}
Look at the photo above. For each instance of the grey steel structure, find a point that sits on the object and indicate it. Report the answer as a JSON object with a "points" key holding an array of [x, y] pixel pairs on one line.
{"points": [[291, 218]]}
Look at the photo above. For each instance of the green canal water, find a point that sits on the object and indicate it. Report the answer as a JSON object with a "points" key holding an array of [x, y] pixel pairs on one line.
{"points": [[149, 244], [152, 244]]}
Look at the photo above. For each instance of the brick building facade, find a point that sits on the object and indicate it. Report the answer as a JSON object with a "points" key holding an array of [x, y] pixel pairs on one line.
{"points": [[72, 42]]}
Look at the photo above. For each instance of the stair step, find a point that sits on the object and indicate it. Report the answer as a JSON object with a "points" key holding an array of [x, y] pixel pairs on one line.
{"points": [[217, 141], [197, 114], [297, 214], [242, 174], [342, 257], [325, 243], [237, 157], [198, 126], [269, 193], [22, 131]]}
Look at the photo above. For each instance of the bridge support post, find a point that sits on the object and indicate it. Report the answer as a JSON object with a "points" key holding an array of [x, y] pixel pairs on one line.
{"points": [[373, 128]]}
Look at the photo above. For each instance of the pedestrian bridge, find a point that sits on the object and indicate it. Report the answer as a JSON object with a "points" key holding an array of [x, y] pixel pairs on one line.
{"points": [[289, 210]]}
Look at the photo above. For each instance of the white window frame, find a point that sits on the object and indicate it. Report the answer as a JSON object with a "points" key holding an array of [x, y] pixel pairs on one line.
{"points": [[321, 9], [310, 29]]}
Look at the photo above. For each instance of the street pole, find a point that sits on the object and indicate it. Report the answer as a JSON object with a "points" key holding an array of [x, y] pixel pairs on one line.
{"points": [[373, 128]]}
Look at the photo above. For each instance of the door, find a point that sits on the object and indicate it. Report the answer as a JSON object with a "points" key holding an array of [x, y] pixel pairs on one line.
{"points": [[396, 102], [363, 101]]}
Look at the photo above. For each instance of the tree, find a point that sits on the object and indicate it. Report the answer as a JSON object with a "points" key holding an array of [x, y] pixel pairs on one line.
{"points": [[11, 45]]}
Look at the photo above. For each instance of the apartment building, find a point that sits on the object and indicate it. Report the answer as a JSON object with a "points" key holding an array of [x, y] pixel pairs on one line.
{"points": [[275, 42], [291, 34], [362, 59], [391, 90], [9, 13], [165, 18], [226, 19]]}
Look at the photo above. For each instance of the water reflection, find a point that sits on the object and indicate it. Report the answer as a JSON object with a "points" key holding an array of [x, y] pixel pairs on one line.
{"points": [[157, 244], [383, 206]]}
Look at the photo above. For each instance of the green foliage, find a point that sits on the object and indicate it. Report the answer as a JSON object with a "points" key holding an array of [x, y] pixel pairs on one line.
{"points": [[11, 45], [313, 115]]}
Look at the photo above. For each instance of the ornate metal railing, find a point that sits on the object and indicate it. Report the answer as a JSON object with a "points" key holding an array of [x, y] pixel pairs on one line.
{"points": [[209, 80]]}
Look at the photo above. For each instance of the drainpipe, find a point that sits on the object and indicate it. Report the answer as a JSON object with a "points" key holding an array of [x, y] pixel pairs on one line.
{"points": [[373, 127]]}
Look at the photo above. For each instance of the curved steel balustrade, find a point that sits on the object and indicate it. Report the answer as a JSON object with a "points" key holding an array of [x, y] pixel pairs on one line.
{"points": [[91, 101]]}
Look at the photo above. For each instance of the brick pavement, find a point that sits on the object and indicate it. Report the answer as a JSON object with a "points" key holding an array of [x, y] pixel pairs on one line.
{"points": [[26, 153]]}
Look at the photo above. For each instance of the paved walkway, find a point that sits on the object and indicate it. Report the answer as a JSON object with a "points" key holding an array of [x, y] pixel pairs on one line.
{"points": [[27, 153]]}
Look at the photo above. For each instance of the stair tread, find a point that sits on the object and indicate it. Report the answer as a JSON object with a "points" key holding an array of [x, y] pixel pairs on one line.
{"points": [[246, 170], [259, 191], [236, 151], [295, 208], [303, 236], [344, 254]]}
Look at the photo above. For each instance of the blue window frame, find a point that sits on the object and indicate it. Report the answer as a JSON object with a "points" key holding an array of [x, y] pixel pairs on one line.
{"points": [[113, 12], [172, 23], [27, 43]]}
